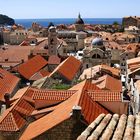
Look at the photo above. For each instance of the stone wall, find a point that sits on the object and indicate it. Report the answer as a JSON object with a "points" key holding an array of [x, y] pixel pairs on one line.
{"points": [[130, 21], [68, 130]]}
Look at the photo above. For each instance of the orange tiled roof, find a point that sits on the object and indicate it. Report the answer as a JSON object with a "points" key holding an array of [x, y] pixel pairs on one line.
{"points": [[132, 47], [30, 67], [15, 53], [42, 73], [68, 68], [90, 111], [105, 69], [90, 108], [8, 83], [104, 95], [107, 82], [111, 70], [133, 61], [13, 118], [44, 97]]}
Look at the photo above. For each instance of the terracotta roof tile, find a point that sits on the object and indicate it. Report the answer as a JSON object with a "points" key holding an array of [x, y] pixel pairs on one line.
{"points": [[15, 54], [113, 127], [12, 120], [107, 82], [110, 70], [133, 61], [32, 66], [90, 111], [105, 96], [68, 68], [44, 72], [43, 97], [104, 69], [8, 83], [88, 105]]}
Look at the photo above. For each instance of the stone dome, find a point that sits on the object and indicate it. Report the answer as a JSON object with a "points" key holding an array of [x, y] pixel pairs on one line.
{"points": [[79, 20], [97, 42], [52, 29]]}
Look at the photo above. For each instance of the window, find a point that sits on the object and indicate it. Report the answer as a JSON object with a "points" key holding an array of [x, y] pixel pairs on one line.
{"points": [[52, 41], [122, 64], [64, 51], [87, 66], [98, 56], [80, 54], [94, 56], [6, 59]]}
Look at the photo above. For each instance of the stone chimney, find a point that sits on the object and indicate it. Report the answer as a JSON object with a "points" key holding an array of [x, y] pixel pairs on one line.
{"points": [[3, 108], [76, 112], [7, 100]]}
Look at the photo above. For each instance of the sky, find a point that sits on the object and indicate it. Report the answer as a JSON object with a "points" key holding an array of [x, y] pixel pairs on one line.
{"points": [[27, 9]]}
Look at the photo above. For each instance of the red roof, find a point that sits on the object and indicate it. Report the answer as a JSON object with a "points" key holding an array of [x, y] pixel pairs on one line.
{"points": [[8, 83], [105, 96], [13, 118], [90, 111], [107, 82], [68, 68], [44, 97], [85, 94], [30, 67]]}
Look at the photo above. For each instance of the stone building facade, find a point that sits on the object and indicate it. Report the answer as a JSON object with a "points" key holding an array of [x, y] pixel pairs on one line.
{"points": [[131, 21], [96, 54], [67, 130]]}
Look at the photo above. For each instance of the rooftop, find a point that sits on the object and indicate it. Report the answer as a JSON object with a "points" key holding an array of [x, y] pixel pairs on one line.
{"points": [[30, 67], [8, 83], [109, 126], [107, 82], [63, 111], [68, 68]]}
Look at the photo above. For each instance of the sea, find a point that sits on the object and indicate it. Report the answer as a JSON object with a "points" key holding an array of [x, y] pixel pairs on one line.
{"points": [[67, 21]]}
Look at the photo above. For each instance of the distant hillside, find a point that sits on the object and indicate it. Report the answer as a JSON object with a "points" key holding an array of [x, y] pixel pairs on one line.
{"points": [[5, 20]]}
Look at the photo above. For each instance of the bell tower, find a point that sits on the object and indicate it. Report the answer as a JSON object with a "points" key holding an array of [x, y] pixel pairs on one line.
{"points": [[79, 24], [52, 41]]}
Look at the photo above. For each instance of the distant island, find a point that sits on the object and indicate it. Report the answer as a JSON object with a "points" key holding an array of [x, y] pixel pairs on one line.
{"points": [[5, 20]]}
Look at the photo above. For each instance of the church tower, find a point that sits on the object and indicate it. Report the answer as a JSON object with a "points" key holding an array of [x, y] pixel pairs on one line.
{"points": [[79, 24], [52, 41]]}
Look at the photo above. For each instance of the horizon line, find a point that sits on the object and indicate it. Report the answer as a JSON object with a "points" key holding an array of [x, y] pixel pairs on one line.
{"points": [[73, 18]]}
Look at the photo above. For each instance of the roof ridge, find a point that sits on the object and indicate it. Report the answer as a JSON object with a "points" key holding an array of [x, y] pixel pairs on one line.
{"points": [[9, 110], [81, 91]]}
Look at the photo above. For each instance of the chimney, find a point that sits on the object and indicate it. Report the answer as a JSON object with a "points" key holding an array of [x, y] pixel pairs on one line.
{"points": [[7, 100], [22, 60], [76, 112], [3, 108]]}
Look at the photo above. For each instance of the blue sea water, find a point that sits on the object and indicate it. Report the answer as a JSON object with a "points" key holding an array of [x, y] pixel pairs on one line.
{"points": [[44, 22]]}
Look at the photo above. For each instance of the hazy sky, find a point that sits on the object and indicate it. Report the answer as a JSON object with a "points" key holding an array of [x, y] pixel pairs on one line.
{"points": [[69, 8]]}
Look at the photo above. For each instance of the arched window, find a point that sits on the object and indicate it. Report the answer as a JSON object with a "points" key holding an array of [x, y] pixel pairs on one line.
{"points": [[94, 56], [98, 56], [52, 41]]}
